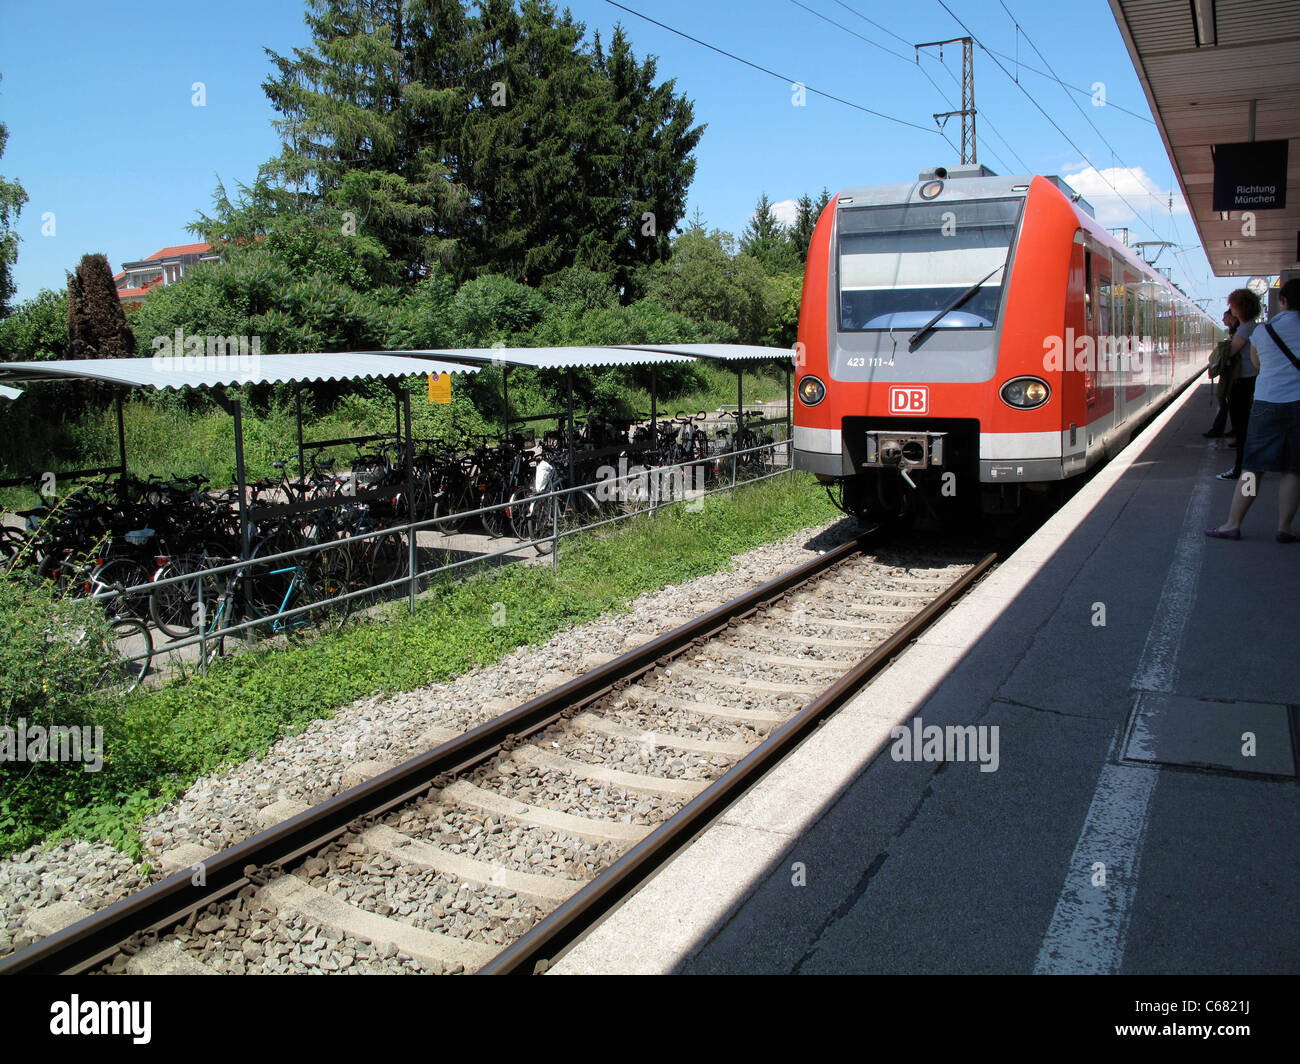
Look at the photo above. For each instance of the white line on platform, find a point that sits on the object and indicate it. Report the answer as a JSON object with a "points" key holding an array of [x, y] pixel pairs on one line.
{"points": [[1090, 925]]}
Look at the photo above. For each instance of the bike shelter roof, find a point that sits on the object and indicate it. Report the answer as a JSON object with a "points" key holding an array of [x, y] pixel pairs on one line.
{"points": [[167, 372], [718, 352], [554, 357], [10, 393]]}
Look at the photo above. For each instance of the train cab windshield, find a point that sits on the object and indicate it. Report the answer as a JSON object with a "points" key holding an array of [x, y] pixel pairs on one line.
{"points": [[899, 265]]}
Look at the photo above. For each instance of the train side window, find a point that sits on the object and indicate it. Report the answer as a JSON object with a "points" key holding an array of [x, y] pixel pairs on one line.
{"points": [[1089, 296]]}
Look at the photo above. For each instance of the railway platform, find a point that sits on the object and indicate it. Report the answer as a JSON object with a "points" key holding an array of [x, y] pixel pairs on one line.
{"points": [[1089, 765]]}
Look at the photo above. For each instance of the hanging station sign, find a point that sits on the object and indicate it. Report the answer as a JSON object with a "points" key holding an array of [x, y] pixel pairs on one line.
{"points": [[1250, 176]]}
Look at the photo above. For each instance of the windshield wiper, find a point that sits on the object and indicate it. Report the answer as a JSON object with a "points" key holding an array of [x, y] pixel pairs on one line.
{"points": [[918, 338]]}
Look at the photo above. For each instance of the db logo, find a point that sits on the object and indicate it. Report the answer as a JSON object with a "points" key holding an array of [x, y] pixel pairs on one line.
{"points": [[909, 400]]}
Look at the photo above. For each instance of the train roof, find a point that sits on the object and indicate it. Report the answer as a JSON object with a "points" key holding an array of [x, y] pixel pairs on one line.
{"points": [[963, 183], [966, 183]]}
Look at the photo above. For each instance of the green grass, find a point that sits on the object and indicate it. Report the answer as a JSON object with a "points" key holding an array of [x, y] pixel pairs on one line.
{"points": [[158, 742]]}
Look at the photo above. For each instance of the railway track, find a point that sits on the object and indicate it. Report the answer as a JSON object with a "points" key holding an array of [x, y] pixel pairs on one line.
{"points": [[493, 851]]}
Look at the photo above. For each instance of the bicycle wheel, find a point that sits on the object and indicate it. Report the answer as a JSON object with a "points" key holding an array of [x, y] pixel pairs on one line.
{"points": [[12, 543], [494, 521], [321, 577], [377, 562], [576, 508], [542, 521], [518, 514], [127, 654], [174, 608], [120, 573], [267, 585]]}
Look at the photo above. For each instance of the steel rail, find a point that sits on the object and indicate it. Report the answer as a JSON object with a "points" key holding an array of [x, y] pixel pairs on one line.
{"points": [[131, 922], [538, 948]]}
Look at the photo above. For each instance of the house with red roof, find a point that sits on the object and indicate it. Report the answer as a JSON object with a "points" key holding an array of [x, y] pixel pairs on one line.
{"points": [[162, 267]]}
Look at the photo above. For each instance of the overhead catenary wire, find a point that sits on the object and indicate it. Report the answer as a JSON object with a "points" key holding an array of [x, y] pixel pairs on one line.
{"points": [[1073, 88], [911, 61], [1068, 139], [887, 51], [773, 73], [1020, 31]]}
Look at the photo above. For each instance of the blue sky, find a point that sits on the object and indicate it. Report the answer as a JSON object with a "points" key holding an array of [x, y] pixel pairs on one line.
{"points": [[104, 135]]}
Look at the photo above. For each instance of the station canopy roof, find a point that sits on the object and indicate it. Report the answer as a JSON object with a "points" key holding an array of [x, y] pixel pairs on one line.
{"points": [[718, 352], [209, 372], [1201, 64]]}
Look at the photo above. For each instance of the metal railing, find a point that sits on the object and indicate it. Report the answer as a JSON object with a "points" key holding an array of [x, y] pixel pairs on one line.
{"points": [[628, 492]]}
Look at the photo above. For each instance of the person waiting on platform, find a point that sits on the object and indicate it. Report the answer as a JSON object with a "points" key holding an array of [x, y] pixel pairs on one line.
{"points": [[1273, 443], [1220, 370], [1244, 306]]}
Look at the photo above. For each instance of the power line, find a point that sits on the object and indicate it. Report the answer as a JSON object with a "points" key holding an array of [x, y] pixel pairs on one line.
{"points": [[773, 73], [1136, 213], [916, 63], [841, 26], [883, 29], [1073, 88], [888, 51], [1114, 154]]}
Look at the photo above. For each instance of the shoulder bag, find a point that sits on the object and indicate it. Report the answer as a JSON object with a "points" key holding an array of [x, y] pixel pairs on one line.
{"points": [[1285, 350]]}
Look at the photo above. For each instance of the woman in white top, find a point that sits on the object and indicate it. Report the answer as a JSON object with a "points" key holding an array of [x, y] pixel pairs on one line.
{"points": [[1273, 442]]}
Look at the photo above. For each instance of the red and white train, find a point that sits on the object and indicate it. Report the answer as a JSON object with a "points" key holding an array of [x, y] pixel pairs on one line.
{"points": [[967, 338]]}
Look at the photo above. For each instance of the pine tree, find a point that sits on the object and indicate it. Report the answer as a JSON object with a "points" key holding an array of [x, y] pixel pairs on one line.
{"points": [[368, 112], [651, 157], [97, 325], [492, 142], [526, 132], [805, 220], [766, 240]]}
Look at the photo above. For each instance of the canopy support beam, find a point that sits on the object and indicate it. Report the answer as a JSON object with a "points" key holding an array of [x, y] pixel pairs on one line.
{"points": [[121, 433], [568, 378], [235, 409]]}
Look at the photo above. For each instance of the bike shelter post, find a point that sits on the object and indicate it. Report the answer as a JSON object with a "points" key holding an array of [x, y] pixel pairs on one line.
{"points": [[235, 409], [402, 398], [568, 378], [410, 496], [505, 399], [740, 395], [121, 433], [297, 401], [654, 406], [203, 631], [789, 416], [555, 533]]}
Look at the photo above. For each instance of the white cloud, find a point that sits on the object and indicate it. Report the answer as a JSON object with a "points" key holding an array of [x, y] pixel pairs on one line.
{"points": [[786, 211], [1104, 189]]}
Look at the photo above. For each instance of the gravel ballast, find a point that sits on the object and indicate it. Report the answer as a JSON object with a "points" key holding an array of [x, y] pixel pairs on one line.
{"points": [[221, 809]]}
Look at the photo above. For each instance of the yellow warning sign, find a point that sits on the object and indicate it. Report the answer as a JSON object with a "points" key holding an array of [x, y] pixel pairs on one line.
{"points": [[440, 387]]}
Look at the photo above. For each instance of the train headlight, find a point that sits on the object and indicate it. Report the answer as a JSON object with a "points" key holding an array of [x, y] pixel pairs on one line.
{"points": [[811, 391], [1025, 393]]}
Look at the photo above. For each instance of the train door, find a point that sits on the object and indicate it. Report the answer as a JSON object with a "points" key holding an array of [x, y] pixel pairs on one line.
{"points": [[1138, 371], [1101, 393], [1117, 331]]}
